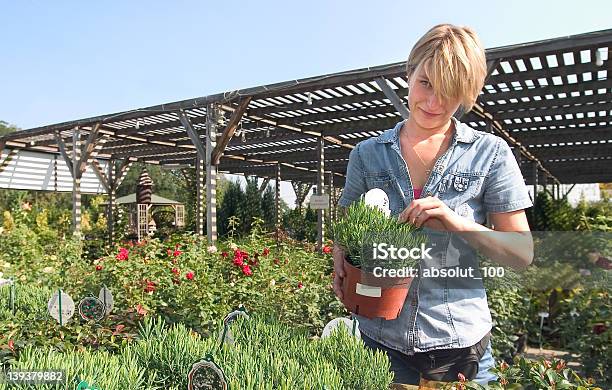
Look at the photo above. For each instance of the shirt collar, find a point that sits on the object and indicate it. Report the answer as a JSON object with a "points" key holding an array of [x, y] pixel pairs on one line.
{"points": [[463, 133]]}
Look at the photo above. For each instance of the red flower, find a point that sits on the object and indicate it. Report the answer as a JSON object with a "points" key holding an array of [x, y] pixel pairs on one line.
{"points": [[11, 345], [118, 329], [247, 270], [461, 377], [176, 253], [327, 249], [224, 255], [560, 365], [503, 381], [123, 254], [189, 275], [175, 271], [599, 328], [238, 261], [276, 261], [169, 251], [503, 366], [266, 251], [300, 285], [150, 286], [99, 268], [141, 310]]}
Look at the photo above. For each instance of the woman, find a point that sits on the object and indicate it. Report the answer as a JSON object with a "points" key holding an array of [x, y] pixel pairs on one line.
{"points": [[442, 175]]}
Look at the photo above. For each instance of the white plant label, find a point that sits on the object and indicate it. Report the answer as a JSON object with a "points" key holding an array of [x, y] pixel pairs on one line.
{"points": [[67, 307], [341, 321], [368, 291], [226, 336], [376, 197], [106, 297]]}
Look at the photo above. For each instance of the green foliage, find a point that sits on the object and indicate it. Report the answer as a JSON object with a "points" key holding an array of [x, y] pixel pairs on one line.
{"points": [[585, 327], [6, 128], [264, 355], [245, 205], [361, 221], [301, 224], [268, 209], [230, 206], [251, 208], [559, 215], [527, 374]]}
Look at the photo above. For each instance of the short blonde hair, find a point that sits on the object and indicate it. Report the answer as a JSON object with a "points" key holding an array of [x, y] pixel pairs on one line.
{"points": [[454, 60]]}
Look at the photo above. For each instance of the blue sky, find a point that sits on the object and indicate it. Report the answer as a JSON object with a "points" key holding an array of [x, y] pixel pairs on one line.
{"points": [[65, 60]]}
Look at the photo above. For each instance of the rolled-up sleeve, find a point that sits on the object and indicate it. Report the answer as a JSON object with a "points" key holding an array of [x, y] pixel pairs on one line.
{"points": [[355, 184], [505, 188]]}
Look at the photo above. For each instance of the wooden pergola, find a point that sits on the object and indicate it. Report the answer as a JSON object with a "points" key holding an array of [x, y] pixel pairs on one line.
{"points": [[550, 100]]}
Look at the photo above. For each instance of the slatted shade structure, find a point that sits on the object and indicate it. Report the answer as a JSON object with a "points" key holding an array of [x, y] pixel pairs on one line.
{"points": [[550, 100]]}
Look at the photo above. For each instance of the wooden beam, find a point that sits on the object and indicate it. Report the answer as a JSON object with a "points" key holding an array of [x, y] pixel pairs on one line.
{"points": [[566, 135], [8, 158], [122, 171], [552, 111], [392, 96], [95, 165], [193, 135], [62, 148], [89, 145], [228, 133], [264, 185], [498, 128]]}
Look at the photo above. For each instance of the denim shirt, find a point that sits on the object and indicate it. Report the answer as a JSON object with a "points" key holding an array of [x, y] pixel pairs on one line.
{"points": [[478, 174]]}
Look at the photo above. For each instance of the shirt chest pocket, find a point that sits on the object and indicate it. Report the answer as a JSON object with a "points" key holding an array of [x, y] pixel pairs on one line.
{"points": [[387, 182], [457, 188]]}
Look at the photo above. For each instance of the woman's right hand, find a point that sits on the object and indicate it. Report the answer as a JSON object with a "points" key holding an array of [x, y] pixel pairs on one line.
{"points": [[339, 274]]}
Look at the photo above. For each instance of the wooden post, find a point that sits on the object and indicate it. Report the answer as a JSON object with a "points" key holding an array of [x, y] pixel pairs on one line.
{"points": [[76, 181], [200, 206], [320, 191], [535, 183], [277, 207], [112, 194], [330, 191], [211, 174]]}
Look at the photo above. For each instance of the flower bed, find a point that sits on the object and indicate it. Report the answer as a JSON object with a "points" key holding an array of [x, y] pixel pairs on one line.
{"points": [[264, 355]]}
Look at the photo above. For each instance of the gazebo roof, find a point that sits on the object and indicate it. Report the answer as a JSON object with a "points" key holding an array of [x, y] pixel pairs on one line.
{"points": [[155, 200], [550, 99]]}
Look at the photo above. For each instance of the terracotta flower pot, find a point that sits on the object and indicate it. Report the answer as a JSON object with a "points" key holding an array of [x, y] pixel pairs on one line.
{"points": [[372, 297]]}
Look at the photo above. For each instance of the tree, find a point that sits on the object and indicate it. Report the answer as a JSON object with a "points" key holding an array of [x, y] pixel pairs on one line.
{"points": [[268, 209], [230, 205], [252, 204], [6, 128]]}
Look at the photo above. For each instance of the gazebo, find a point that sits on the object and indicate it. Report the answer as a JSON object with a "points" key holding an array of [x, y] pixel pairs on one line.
{"points": [[140, 206]]}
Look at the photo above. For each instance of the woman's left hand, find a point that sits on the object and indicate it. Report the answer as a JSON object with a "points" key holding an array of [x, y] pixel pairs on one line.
{"points": [[432, 213]]}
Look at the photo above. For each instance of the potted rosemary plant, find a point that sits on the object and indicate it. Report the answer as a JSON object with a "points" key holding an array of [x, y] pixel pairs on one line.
{"points": [[377, 278]]}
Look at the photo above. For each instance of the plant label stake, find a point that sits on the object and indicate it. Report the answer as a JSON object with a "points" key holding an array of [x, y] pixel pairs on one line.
{"points": [[206, 375], [377, 197], [226, 335], [83, 385], [12, 295], [91, 308], [61, 307], [352, 326], [542, 315], [107, 298]]}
